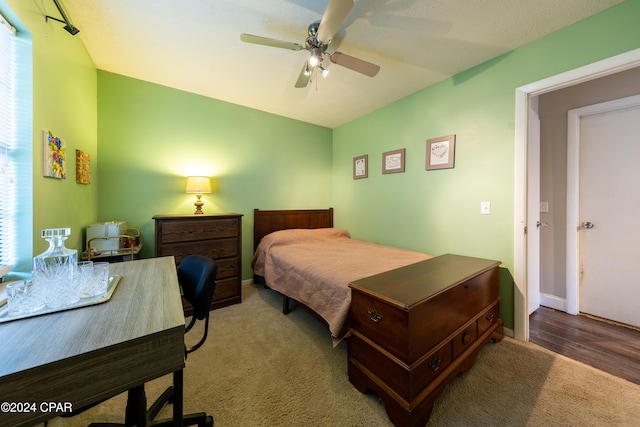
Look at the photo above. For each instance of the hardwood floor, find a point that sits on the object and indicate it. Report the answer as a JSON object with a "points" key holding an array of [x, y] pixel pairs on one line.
{"points": [[606, 346]]}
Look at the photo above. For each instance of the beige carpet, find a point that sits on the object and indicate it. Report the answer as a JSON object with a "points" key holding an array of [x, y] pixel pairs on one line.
{"points": [[261, 368]]}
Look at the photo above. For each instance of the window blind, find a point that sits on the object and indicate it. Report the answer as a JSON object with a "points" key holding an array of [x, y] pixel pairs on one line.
{"points": [[8, 136]]}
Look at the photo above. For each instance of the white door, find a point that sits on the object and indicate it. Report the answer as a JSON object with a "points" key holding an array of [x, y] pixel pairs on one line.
{"points": [[603, 225]]}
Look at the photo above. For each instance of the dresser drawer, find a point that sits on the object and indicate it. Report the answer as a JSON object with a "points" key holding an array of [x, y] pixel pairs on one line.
{"points": [[228, 267], [226, 288], [221, 248], [190, 231]]}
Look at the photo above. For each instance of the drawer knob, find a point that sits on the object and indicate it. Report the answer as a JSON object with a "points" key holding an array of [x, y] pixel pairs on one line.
{"points": [[435, 363], [466, 337], [375, 316], [489, 317]]}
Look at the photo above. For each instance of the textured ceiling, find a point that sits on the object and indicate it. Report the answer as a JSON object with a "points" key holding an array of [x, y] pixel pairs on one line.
{"points": [[194, 45]]}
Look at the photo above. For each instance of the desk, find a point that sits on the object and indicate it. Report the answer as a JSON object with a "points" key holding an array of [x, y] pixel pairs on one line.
{"points": [[89, 354]]}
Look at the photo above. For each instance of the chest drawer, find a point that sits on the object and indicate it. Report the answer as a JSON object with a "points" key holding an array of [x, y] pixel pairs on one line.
{"points": [[382, 323], [406, 380], [194, 230], [488, 318], [465, 338]]}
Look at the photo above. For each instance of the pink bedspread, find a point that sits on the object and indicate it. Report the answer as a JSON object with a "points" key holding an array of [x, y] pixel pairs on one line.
{"points": [[316, 266]]}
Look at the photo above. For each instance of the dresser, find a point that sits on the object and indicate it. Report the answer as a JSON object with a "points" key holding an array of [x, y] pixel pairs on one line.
{"points": [[415, 328], [218, 236]]}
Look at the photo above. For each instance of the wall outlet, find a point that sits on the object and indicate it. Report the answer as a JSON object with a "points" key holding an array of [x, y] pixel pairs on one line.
{"points": [[485, 208]]}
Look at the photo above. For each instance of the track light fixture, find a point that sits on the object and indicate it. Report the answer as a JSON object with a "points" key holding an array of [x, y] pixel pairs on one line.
{"points": [[65, 20]]}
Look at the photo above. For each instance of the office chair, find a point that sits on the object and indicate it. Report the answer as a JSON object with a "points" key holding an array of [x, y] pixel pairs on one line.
{"points": [[196, 276]]}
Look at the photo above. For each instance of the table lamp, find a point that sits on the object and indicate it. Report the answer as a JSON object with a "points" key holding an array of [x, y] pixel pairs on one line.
{"points": [[198, 185]]}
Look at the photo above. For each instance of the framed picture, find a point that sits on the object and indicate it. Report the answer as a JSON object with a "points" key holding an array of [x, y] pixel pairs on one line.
{"points": [[361, 167], [83, 168], [54, 156], [441, 152], [393, 161]]}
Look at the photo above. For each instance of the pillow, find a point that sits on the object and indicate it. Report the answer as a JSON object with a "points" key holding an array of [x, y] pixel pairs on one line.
{"points": [[297, 235]]}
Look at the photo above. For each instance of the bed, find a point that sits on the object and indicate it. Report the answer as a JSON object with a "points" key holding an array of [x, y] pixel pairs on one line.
{"points": [[302, 256]]}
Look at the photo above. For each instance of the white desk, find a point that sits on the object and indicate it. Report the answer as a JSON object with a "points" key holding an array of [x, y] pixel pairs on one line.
{"points": [[86, 355]]}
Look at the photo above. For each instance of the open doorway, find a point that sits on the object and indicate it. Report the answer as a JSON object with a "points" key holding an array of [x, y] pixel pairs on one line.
{"points": [[528, 224], [586, 154]]}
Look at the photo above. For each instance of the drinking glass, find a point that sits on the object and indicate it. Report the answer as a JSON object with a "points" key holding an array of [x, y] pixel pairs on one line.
{"points": [[23, 297]]}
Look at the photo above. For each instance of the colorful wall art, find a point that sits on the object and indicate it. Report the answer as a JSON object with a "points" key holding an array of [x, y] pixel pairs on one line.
{"points": [[54, 155]]}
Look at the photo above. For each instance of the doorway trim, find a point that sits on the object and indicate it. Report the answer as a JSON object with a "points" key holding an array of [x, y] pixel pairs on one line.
{"points": [[524, 171]]}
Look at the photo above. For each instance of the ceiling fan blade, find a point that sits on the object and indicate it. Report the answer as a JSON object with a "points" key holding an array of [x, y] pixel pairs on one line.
{"points": [[304, 77], [249, 38], [334, 16], [355, 64]]}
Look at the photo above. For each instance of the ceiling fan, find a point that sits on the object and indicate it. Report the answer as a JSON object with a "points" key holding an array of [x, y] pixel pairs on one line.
{"points": [[319, 37]]}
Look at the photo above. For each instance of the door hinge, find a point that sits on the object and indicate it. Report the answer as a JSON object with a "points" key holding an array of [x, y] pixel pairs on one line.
{"points": [[525, 229]]}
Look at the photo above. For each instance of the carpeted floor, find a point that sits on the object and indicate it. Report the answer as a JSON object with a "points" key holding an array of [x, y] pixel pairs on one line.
{"points": [[261, 368]]}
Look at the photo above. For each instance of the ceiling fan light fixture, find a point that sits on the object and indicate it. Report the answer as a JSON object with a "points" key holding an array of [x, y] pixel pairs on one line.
{"points": [[323, 71], [307, 69], [315, 57]]}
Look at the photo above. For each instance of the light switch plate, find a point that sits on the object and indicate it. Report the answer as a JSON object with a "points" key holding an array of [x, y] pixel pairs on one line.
{"points": [[544, 206], [485, 208]]}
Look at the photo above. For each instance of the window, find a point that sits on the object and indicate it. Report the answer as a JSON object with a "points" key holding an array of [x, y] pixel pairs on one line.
{"points": [[16, 144], [7, 142]]}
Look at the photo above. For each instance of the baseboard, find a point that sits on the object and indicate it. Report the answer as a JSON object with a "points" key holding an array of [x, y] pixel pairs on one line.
{"points": [[553, 301]]}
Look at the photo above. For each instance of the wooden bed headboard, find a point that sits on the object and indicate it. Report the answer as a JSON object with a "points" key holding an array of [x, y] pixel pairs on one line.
{"points": [[265, 222]]}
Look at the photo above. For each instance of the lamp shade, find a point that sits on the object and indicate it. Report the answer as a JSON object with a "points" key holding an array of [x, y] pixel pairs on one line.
{"points": [[198, 184]]}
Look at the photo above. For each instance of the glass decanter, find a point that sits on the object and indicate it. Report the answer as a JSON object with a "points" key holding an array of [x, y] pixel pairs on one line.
{"points": [[53, 270]]}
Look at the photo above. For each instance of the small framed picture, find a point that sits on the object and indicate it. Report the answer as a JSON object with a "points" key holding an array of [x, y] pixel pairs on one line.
{"points": [[393, 161], [361, 167], [440, 152]]}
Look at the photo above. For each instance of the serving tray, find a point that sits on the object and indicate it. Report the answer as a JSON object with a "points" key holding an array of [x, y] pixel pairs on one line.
{"points": [[84, 302]]}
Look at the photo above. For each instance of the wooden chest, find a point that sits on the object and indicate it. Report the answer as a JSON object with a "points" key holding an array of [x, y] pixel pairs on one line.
{"points": [[413, 329], [218, 236]]}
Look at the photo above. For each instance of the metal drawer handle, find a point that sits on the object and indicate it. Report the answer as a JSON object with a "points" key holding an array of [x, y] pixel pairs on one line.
{"points": [[435, 363], [375, 316], [489, 317]]}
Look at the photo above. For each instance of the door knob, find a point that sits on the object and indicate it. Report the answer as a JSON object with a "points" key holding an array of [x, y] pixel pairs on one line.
{"points": [[586, 224]]}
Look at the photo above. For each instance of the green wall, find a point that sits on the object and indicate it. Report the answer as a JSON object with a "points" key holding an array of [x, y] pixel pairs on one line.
{"points": [[152, 137], [439, 211], [65, 102]]}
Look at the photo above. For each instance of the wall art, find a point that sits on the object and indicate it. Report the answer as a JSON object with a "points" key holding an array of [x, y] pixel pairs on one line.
{"points": [[440, 152], [54, 156], [83, 168], [361, 167], [393, 161]]}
